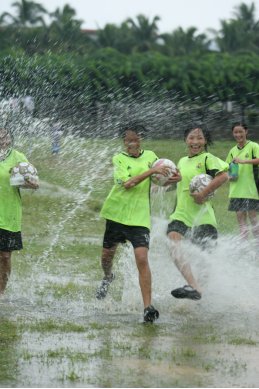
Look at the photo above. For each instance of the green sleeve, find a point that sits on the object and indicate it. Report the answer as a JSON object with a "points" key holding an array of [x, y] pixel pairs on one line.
{"points": [[216, 164], [256, 150]]}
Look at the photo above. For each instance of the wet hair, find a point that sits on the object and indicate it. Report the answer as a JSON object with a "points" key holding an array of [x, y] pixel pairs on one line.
{"points": [[5, 150], [239, 124], [137, 128], [205, 131], [7, 132]]}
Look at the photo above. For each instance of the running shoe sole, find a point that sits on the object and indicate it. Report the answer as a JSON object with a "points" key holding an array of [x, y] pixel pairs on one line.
{"points": [[186, 292]]}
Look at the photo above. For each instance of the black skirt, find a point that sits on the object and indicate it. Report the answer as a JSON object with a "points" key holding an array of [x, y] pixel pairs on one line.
{"points": [[243, 205]]}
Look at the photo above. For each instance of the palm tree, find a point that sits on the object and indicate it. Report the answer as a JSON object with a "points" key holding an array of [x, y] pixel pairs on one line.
{"points": [[65, 28], [246, 14], [240, 33], [64, 18], [119, 38], [28, 13], [182, 42], [145, 33]]}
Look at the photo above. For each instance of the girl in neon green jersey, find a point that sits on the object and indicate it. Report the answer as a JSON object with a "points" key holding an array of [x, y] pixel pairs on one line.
{"points": [[243, 192], [10, 206], [192, 217], [127, 213]]}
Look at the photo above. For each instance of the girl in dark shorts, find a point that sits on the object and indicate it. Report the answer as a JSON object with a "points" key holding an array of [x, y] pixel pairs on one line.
{"points": [[10, 206], [192, 218], [244, 186], [127, 213]]}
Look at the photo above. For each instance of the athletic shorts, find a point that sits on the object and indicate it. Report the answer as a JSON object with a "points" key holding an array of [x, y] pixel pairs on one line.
{"points": [[119, 233], [199, 235], [10, 241], [243, 205]]}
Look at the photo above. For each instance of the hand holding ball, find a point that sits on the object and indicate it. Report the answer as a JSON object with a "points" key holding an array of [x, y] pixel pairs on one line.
{"points": [[160, 179], [198, 183], [24, 175]]}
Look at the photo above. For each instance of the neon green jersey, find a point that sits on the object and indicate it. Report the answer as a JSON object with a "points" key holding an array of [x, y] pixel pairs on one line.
{"points": [[186, 209], [244, 187], [10, 199], [130, 207]]}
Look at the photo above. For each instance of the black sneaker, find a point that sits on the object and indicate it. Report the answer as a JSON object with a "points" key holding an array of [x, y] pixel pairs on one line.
{"points": [[102, 290], [150, 314], [186, 292]]}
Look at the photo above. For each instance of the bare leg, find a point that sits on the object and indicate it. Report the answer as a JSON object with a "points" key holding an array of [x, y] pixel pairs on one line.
{"points": [[5, 269], [141, 256], [107, 260], [242, 222], [183, 266], [255, 224]]}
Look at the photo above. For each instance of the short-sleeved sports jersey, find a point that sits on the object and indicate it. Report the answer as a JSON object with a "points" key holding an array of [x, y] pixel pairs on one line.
{"points": [[186, 209], [130, 206], [10, 199], [245, 186]]}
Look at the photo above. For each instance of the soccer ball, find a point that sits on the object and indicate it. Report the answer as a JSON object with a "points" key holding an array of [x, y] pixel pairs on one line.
{"points": [[198, 183], [159, 179], [24, 174]]}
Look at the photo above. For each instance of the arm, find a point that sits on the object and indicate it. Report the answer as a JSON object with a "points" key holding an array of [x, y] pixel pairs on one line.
{"points": [[220, 179], [141, 177], [254, 161]]}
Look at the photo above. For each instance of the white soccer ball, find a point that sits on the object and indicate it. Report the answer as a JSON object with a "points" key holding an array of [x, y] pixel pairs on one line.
{"points": [[159, 179], [24, 174], [198, 183]]}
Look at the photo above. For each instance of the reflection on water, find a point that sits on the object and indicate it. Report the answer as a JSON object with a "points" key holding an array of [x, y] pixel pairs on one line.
{"points": [[55, 333], [9, 339], [69, 339]]}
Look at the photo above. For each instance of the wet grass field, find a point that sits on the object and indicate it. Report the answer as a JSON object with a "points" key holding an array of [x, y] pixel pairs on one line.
{"points": [[54, 333]]}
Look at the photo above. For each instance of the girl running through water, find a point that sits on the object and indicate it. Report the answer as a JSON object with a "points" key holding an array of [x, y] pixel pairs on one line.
{"points": [[127, 213], [10, 206], [193, 216]]}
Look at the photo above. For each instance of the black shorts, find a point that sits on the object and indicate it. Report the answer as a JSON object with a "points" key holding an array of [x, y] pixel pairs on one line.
{"points": [[243, 205], [119, 233], [10, 241], [198, 235]]}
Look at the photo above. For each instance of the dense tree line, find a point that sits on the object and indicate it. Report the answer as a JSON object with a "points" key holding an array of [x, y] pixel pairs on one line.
{"points": [[59, 61], [27, 30]]}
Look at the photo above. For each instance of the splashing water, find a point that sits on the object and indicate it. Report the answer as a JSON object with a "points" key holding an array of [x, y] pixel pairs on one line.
{"points": [[224, 266], [228, 274]]}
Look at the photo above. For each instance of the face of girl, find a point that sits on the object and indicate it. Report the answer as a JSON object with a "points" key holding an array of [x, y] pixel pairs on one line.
{"points": [[195, 142], [132, 143], [240, 133]]}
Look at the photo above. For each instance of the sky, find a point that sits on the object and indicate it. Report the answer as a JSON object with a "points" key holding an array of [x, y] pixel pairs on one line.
{"points": [[202, 14]]}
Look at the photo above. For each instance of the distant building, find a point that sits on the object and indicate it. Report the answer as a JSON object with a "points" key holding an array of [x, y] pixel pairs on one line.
{"points": [[91, 33]]}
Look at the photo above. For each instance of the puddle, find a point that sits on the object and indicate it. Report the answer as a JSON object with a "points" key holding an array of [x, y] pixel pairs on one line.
{"points": [[56, 334]]}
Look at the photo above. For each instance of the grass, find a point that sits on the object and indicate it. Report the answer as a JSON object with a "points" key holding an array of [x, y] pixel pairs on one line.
{"points": [[51, 325], [64, 171], [9, 338], [55, 333], [237, 341]]}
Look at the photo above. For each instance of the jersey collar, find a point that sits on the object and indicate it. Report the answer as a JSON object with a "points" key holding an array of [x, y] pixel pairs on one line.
{"points": [[241, 148], [132, 156], [196, 155]]}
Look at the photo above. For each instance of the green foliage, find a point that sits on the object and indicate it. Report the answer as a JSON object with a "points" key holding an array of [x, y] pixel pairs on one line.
{"points": [[110, 73], [64, 66], [241, 33]]}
